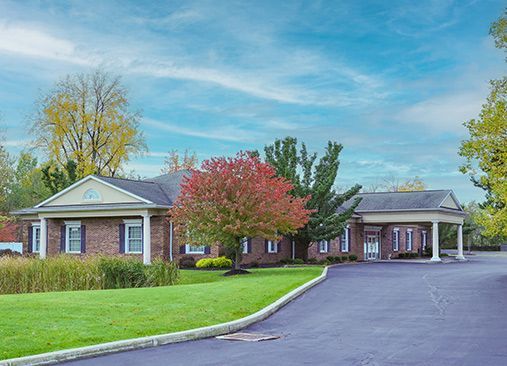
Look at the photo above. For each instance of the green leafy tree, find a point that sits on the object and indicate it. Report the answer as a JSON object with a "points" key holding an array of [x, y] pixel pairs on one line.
{"points": [[315, 179], [6, 177], [27, 186], [485, 150], [56, 179]]}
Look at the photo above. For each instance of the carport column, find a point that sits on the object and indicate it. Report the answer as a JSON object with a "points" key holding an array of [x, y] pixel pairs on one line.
{"points": [[460, 243], [436, 244], [146, 239], [43, 240]]}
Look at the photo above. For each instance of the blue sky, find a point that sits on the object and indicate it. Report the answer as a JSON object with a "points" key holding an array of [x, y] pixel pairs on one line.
{"points": [[393, 81]]}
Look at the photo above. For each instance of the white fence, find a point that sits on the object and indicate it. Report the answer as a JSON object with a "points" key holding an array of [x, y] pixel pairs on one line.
{"points": [[15, 247]]}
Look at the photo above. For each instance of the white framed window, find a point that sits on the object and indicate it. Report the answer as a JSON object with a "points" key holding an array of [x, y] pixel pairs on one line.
{"points": [[409, 239], [344, 241], [73, 238], [91, 195], [396, 239], [272, 246], [323, 246], [133, 238], [194, 249], [35, 238], [244, 245]]}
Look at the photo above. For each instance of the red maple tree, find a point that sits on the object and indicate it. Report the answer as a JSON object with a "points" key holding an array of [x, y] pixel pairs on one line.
{"points": [[233, 198]]}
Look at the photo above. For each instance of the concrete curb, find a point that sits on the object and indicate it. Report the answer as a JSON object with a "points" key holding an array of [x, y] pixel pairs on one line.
{"points": [[158, 340]]}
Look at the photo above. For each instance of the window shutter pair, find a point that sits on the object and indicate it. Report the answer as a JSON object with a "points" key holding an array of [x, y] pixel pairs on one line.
{"points": [[63, 234], [30, 239]]}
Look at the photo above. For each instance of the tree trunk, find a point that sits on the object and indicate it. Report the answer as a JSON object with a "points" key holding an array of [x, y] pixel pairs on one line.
{"points": [[237, 262]]}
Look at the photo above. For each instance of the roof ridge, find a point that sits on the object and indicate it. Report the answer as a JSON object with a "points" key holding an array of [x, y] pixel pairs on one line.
{"points": [[426, 190], [126, 179]]}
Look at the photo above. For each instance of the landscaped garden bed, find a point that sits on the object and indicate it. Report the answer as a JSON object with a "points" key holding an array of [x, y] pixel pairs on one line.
{"points": [[43, 322]]}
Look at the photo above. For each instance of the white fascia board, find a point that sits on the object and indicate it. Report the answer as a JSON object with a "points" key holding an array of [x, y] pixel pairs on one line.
{"points": [[85, 179]]}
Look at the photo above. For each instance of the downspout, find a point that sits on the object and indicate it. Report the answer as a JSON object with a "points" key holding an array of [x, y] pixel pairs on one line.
{"points": [[171, 241]]}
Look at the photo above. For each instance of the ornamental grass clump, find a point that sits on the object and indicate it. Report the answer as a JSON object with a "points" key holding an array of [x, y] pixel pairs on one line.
{"points": [[66, 273]]}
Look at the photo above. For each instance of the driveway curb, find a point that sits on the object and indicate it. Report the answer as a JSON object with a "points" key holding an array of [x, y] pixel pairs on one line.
{"points": [[158, 340]]}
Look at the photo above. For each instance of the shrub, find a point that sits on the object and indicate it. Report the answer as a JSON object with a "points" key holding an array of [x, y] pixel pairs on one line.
{"points": [[337, 259], [323, 262], [311, 260], [299, 261], [414, 255], [444, 254], [287, 261], [67, 273], [352, 257], [220, 262], [187, 261], [345, 258], [204, 263], [401, 255], [161, 273], [9, 252], [122, 272], [254, 264], [330, 259]]}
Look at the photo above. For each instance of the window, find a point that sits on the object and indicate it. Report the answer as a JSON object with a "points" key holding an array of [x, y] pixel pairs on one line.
{"points": [[73, 238], [244, 245], [35, 238], [409, 239], [424, 239], [272, 246], [344, 242], [396, 239], [91, 195], [194, 249], [323, 246], [133, 238]]}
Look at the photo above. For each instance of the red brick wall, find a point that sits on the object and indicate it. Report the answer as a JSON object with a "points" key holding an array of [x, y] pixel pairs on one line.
{"points": [[259, 254]]}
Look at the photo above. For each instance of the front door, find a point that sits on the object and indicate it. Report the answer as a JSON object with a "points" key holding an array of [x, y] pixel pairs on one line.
{"points": [[371, 247]]}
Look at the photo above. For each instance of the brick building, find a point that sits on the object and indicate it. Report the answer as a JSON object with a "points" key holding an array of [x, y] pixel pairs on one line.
{"points": [[103, 215]]}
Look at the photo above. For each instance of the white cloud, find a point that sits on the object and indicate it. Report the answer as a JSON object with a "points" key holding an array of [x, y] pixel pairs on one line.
{"points": [[29, 41], [225, 133], [443, 112]]}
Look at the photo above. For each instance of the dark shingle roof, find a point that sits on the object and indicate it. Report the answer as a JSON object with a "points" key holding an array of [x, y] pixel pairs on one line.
{"points": [[150, 191], [391, 201], [170, 183]]}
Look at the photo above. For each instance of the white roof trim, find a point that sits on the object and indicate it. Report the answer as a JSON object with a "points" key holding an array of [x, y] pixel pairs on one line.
{"points": [[86, 179]]}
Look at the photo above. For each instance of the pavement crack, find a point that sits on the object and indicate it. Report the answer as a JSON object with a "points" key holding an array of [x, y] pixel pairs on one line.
{"points": [[439, 300]]}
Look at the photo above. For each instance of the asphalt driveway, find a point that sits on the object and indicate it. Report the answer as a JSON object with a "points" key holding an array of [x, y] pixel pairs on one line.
{"points": [[369, 314]]}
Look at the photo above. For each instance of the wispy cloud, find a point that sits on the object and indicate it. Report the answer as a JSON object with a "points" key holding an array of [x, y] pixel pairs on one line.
{"points": [[216, 132]]}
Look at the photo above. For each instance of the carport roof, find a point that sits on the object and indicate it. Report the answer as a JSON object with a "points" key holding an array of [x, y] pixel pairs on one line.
{"points": [[405, 201]]}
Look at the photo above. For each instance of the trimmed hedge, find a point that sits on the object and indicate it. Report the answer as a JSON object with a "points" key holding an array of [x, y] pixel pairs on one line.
{"points": [[220, 262], [66, 273]]}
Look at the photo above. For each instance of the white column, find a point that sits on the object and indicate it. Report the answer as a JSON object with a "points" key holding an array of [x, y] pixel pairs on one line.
{"points": [[436, 244], [43, 248], [146, 239], [460, 243]]}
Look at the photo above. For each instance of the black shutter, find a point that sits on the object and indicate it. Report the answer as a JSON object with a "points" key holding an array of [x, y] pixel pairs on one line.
{"points": [[279, 246], [182, 249], [348, 239], [249, 245], [62, 239], [83, 239], [207, 249], [142, 237], [406, 240], [393, 239], [122, 238], [266, 246], [30, 239]]}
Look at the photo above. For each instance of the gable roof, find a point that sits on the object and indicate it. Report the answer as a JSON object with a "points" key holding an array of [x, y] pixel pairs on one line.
{"points": [[150, 191], [403, 201]]}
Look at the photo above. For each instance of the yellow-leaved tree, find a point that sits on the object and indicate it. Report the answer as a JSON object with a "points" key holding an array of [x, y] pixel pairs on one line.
{"points": [[87, 119]]}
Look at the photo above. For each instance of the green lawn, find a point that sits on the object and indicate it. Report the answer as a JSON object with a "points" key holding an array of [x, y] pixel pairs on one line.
{"points": [[43, 322]]}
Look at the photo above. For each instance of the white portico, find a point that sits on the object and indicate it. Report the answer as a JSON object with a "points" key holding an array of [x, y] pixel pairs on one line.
{"points": [[422, 209]]}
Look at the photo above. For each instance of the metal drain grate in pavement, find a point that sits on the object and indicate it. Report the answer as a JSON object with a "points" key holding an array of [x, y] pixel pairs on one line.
{"points": [[248, 337]]}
